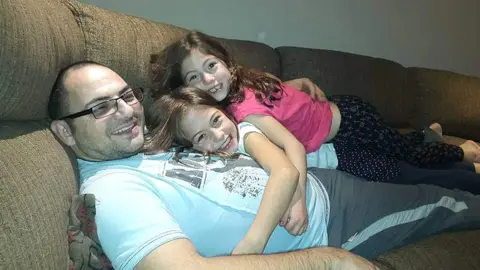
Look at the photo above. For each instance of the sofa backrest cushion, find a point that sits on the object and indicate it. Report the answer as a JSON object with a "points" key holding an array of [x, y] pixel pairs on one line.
{"points": [[125, 43], [37, 39], [385, 84]]}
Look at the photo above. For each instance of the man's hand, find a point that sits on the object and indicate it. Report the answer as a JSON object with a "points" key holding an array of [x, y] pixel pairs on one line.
{"points": [[295, 219], [308, 87]]}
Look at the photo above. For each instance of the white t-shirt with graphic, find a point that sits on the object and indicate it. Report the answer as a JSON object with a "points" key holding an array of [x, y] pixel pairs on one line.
{"points": [[325, 157], [146, 201]]}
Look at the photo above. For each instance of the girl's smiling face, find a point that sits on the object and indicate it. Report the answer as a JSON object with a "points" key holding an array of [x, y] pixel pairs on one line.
{"points": [[209, 130], [208, 73]]}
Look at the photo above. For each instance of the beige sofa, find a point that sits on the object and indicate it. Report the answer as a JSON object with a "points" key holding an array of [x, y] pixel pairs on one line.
{"points": [[38, 175]]}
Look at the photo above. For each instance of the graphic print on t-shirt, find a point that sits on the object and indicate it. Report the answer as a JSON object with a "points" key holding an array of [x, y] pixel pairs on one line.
{"points": [[220, 178]]}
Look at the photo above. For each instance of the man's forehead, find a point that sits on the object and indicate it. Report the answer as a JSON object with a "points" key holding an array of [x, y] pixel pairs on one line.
{"points": [[92, 82], [92, 77]]}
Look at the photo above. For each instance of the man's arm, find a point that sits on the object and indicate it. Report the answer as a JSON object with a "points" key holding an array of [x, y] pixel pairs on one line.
{"points": [[180, 254]]}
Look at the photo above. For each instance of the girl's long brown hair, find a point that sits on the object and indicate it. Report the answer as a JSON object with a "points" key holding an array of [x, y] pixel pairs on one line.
{"points": [[167, 75]]}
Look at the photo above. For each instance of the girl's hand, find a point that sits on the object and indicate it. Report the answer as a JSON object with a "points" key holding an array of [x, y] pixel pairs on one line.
{"points": [[295, 219], [308, 87], [248, 246]]}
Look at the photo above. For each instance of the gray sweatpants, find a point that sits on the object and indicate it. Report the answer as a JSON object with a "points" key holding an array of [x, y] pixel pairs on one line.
{"points": [[370, 218]]}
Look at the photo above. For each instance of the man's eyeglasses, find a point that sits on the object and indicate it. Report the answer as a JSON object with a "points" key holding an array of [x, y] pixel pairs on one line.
{"points": [[110, 107]]}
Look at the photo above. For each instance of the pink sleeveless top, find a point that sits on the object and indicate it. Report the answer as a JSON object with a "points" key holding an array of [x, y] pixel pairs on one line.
{"points": [[307, 119]]}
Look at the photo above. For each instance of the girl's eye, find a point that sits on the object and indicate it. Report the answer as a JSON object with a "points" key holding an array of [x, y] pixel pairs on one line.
{"points": [[212, 65], [216, 119], [200, 138], [192, 78]]}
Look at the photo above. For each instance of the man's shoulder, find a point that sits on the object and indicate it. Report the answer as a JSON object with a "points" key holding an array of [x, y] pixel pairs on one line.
{"points": [[128, 161], [134, 165]]}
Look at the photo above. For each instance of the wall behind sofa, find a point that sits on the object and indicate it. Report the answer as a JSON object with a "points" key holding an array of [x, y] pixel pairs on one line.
{"points": [[439, 34]]}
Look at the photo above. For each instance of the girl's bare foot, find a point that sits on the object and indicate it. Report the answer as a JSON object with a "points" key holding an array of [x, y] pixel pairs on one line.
{"points": [[437, 128], [433, 133]]}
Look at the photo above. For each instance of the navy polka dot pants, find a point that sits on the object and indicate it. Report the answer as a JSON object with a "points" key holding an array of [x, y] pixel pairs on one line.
{"points": [[363, 135], [367, 163]]}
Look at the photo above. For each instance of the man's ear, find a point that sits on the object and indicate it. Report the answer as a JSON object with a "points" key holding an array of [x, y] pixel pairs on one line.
{"points": [[62, 130]]}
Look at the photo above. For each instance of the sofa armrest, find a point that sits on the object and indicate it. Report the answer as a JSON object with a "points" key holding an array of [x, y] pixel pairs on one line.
{"points": [[37, 178], [451, 99]]}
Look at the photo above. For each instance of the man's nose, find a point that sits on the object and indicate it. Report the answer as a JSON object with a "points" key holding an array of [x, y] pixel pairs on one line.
{"points": [[124, 109]]}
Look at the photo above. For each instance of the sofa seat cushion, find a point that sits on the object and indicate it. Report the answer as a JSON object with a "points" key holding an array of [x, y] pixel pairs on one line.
{"points": [[459, 250]]}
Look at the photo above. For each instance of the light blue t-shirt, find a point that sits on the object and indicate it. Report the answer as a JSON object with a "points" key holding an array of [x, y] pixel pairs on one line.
{"points": [[146, 201], [325, 157]]}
